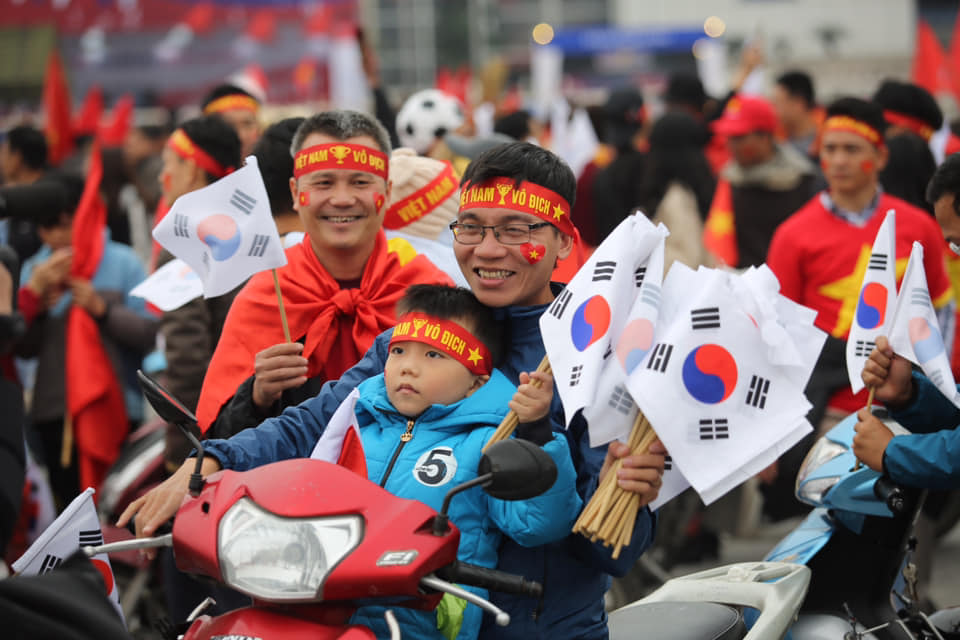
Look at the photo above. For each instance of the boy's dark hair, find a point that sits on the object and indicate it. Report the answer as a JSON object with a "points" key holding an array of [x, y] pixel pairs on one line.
{"points": [[342, 124], [456, 303], [685, 89], [799, 85], [869, 113], [516, 124], [946, 181], [225, 89], [217, 138], [909, 99], [30, 144], [524, 161], [70, 186], [275, 163]]}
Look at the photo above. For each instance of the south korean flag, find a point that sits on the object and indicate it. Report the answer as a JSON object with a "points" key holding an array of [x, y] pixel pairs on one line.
{"points": [[723, 387]]}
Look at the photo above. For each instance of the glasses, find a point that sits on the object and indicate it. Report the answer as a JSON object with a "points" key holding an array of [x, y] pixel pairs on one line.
{"points": [[509, 233]]}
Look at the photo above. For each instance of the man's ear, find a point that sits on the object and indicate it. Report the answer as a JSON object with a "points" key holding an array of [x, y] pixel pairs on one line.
{"points": [[883, 155], [478, 381], [294, 195], [566, 246]]}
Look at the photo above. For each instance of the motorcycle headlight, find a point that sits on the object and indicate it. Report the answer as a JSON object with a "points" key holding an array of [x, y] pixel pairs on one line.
{"points": [[282, 559], [821, 453], [812, 492]]}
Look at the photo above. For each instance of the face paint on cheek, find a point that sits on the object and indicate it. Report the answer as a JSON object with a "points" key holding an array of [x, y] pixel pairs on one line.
{"points": [[378, 200], [868, 166], [166, 181], [304, 198], [533, 253], [823, 164]]}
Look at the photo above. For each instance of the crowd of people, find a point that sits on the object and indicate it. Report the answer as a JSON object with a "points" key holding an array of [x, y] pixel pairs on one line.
{"points": [[740, 181]]}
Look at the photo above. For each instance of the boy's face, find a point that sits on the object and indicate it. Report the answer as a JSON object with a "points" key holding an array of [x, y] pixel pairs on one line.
{"points": [[59, 236], [850, 162], [418, 375], [499, 274]]}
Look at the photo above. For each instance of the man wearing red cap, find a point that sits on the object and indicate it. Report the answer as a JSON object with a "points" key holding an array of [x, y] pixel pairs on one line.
{"points": [[758, 189]]}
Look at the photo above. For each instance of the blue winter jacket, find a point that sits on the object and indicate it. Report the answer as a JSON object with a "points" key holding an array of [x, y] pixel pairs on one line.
{"points": [[575, 573], [444, 451], [925, 459]]}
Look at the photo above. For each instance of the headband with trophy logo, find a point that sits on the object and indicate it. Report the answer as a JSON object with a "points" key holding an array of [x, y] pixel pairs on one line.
{"points": [[525, 197], [184, 147], [447, 336], [340, 156], [851, 125]]}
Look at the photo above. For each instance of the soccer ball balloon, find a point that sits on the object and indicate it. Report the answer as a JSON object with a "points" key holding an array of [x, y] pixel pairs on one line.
{"points": [[426, 116]]}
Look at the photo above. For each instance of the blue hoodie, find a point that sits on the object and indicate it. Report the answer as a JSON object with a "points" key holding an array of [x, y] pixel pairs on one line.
{"points": [[575, 573]]}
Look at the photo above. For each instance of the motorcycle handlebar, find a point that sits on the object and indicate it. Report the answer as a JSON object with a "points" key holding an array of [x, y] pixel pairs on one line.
{"points": [[490, 579], [892, 494]]}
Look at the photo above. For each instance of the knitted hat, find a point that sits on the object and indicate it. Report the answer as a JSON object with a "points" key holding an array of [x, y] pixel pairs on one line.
{"points": [[424, 194]]}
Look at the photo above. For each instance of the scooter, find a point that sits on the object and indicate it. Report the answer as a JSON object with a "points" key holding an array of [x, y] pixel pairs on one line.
{"points": [[311, 541], [843, 574]]}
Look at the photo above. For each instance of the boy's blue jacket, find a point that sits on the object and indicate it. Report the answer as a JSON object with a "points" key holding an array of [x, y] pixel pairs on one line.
{"points": [[574, 572], [923, 459], [444, 451]]}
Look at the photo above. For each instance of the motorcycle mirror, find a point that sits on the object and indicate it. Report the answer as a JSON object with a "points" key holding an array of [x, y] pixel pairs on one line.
{"points": [[518, 470], [172, 410]]}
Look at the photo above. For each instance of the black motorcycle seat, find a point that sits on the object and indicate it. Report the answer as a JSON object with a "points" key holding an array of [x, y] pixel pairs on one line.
{"points": [[677, 621], [947, 622]]}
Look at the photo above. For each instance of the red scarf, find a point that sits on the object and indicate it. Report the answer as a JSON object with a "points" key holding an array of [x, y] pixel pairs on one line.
{"points": [[94, 398], [338, 325]]}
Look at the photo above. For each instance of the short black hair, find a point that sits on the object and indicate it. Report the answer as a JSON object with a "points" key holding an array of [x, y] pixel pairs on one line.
{"points": [[342, 124], [946, 181], [868, 113], [30, 144], [225, 89], [70, 185], [685, 89], [217, 138], [275, 163], [456, 303], [524, 161], [799, 85], [516, 124], [909, 99]]}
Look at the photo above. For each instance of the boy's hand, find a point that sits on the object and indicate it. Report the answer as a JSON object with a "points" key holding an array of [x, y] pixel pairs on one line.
{"points": [[889, 374], [532, 403], [87, 298], [277, 369], [641, 473], [871, 439], [48, 277]]}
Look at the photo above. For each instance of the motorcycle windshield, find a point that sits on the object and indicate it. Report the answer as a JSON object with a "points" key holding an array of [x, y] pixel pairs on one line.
{"points": [[805, 541]]}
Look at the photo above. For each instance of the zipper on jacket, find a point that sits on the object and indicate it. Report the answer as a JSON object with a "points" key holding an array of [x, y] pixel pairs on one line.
{"points": [[405, 437]]}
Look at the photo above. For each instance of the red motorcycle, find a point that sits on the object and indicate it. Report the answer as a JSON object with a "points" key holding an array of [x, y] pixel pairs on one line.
{"points": [[311, 541]]}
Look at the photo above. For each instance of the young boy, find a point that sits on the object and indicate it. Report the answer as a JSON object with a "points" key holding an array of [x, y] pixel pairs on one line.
{"points": [[423, 424]]}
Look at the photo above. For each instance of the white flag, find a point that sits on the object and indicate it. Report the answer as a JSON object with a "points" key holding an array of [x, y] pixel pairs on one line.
{"points": [[225, 231], [612, 414], [580, 326], [340, 442], [78, 526], [723, 385], [170, 287], [875, 302], [914, 331]]}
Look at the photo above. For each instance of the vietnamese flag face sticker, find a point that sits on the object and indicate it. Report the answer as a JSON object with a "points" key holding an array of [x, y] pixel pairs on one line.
{"points": [[533, 252], [378, 200], [304, 197]]}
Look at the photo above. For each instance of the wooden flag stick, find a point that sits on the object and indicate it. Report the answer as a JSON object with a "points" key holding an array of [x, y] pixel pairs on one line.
{"points": [[510, 421], [283, 311], [856, 467], [66, 445]]}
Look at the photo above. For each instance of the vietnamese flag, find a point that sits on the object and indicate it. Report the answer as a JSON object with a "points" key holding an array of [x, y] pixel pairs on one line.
{"points": [[56, 104], [115, 131], [87, 120], [341, 442], [929, 68], [94, 397], [719, 233]]}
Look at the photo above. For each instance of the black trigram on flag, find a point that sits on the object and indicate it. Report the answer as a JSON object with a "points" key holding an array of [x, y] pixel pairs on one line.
{"points": [[667, 463], [608, 352], [259, 245], [878, 261], [205, 258], [575, 375], [863, 348], [920, 296], [936, 378], [714, 429], [706, 318], [560, 304], [604, 270], [757, 394], [242, 201], [638, 276], [620, 400], [50, 562], [91, 538], [660, 357], [181, 226], [651, 295]]}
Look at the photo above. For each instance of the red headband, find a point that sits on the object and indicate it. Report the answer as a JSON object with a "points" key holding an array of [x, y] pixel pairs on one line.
{"points": [[527, 197], [916, 125], [848, 124], [340, 156], [422, 201], [447, 336], [231, 102], [184, 147]]}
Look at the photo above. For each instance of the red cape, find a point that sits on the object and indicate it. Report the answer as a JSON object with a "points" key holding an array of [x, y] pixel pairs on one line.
{"points": [[337, 325]]}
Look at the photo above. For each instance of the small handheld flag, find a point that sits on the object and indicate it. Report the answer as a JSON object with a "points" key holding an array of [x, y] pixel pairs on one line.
{"points": [[340, 442]]}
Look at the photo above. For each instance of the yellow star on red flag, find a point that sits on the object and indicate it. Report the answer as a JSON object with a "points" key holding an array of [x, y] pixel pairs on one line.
{"points": [[557, 212], [475, 356]]}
